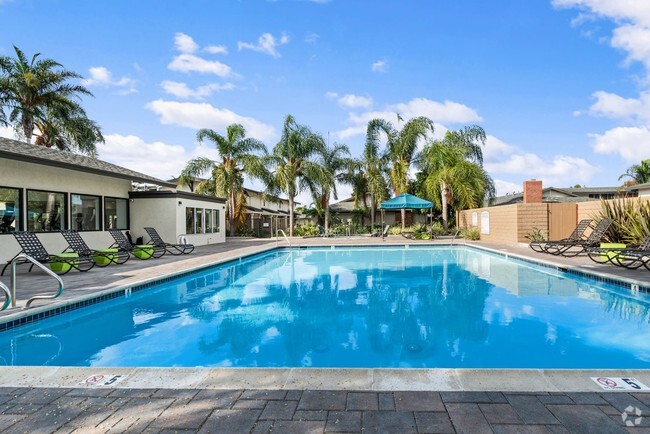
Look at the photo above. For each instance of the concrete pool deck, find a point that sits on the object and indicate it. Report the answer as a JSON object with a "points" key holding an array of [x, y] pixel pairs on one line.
{"points": [[473, 387]]}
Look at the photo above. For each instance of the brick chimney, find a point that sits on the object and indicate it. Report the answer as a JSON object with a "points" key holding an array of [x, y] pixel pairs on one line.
{"points": [[533, 191]]}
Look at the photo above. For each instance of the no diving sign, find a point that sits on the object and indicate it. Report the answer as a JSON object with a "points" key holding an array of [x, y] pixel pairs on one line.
{"points": [[102, 380], [618, 383]]}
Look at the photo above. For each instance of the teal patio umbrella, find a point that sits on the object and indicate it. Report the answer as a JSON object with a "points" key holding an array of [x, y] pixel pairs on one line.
{"points": [[404, 201]]}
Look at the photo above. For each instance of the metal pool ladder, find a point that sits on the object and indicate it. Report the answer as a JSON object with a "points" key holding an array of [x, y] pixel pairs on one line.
{"points": [[283, 234], [42, 267], [7, 295]]}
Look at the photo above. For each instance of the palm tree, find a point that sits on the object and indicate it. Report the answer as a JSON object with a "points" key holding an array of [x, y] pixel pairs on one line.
{"points": [[638, 172], [239, 155], [401, 148], [335, 163], [69, 132], [454, 171], [290, 164], [37, 93]]}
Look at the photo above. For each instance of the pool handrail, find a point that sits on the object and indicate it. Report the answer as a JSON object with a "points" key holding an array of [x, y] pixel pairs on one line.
{"points": [[283, 234], [47, 271], [7, 295]]}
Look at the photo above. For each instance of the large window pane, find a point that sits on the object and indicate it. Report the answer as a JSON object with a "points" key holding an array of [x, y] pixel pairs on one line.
{"points": [[85, 212], [116, 213], [209, 221], [46, 211], [199, 220], [9, 210], [217, 221], [189, 220]]}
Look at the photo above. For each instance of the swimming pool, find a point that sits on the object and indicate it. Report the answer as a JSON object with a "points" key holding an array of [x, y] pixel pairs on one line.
{"points": [[417, 307]]}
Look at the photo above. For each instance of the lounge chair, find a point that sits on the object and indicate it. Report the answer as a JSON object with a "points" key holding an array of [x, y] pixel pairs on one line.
{"points": [[140, 251], [381, 234], [576, 235], [574, 248], [102, 257], [174, 249], [59, 263], [629, 257]]}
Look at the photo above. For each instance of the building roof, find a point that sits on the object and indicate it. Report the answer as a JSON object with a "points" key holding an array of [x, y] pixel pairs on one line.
{"points": [[175, 194], [22, 151], [636, 187], [554, 194]]}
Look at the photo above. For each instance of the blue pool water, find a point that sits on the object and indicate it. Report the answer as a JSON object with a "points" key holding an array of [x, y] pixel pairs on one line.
{"points": [[358, 307]]}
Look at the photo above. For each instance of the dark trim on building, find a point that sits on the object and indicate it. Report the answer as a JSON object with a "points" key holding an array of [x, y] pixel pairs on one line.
{"points": [[174, 194]]}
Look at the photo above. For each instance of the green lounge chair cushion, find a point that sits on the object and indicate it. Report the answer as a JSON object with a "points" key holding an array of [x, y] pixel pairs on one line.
{"points": [[143, 251], [62, 266], [106, 258], [612, 253]]}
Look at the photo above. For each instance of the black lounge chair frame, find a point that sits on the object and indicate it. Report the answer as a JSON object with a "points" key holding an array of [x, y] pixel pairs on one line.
{"points": [[571, 249], [32, 246], [576, 235], [174, 249], [123, 245], [78, 245], [628, 257]]}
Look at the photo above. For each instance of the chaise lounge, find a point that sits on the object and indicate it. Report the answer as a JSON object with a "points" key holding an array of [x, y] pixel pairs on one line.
{"points": [[574, 248], [102, 257], [140, 251], [576, 235], [59, 263], [174, 249]]}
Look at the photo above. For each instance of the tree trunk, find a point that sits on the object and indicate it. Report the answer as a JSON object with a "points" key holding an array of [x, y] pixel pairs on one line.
{"points": [[372, 212], [443, 200], [403, 211], [291, 215], [28, 128], [327, 214], [231, 216]]}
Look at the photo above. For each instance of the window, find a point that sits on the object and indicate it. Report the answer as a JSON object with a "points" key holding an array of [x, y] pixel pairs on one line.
{"points": [[10, 220], [116, 213], [46, 211], [189, 220], [85, 212], [199, 220], [485, 223], [211, 221]]}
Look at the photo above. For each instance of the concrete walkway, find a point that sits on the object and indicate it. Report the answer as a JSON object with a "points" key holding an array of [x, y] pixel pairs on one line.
{"points": [[219, 400]]}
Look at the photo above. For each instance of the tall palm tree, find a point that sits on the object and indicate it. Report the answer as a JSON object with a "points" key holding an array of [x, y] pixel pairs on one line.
{"points": [[401, 148], [454, 171], [239, 155], [71, 131], [638, 172], [38, 93], [334, 162], [290, 163]]}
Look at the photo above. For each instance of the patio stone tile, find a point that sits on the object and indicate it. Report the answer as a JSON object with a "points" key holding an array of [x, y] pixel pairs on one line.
{"points": [[418, 401], [343, 421], [474, 397], [531, 410], [221, 399], [278, 410], [132, 393], [262, 427], [587, 398], [20, 408], [584, 418], [40, 396], [249, 404], [322, 400], [621, 401], [264, 394], [362, 401], [310, 415], [299, 427], [430, 422], [230, 421], [176, 393], [555, 399], [402, 422], [293, 395], [49, 419], [7, 420], [184, 415], [386, 402], [499, 413], [520, 429], [90, 391], [136, 413], [467, 418], [495, 397]]}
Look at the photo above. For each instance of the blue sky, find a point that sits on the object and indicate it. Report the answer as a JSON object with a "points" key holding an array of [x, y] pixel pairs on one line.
{"points": [[560, 86]]}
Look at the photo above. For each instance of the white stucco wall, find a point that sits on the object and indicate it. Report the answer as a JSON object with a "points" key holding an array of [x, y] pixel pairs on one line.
{"points": [[18, 174]]}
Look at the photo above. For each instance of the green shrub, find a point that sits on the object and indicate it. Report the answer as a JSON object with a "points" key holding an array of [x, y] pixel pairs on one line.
{"points": [[631, 220], [244, 231], [308, 229], [537, 235], [473, 234]]}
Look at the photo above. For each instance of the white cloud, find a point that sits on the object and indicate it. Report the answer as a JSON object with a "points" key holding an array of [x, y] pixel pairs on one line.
{"points": [[182, 90], [559, 171], [203, 115], [191, 63], [101, 76], [216, 49], [380, 66], [614, 106], [505, 187], [311, 37], [630, 143], [350, 101], [184, 43], [9, 133], [265, 44]]}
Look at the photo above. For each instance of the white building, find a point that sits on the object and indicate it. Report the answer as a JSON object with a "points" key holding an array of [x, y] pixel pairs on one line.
{"points": [[45, 190]]}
